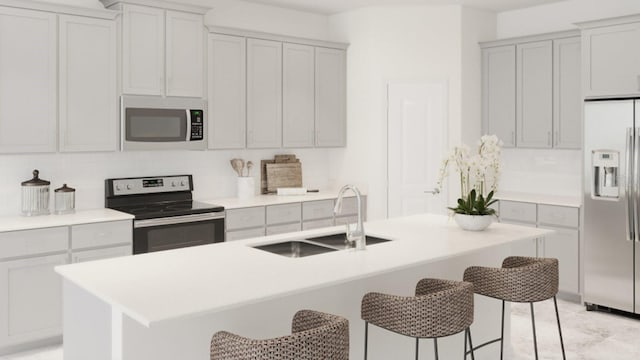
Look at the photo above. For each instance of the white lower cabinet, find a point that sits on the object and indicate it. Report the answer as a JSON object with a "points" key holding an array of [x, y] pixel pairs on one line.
{"points": [[317, 224], [108, 253], [30, 299], [244, 234], [31, 290], [563, 244]]}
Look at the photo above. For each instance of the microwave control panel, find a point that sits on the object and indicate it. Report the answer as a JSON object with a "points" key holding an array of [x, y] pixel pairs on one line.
{"points": [[197, 125]]}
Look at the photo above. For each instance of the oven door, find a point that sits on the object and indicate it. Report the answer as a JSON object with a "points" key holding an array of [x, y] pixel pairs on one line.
{"points": [[177, 232]]}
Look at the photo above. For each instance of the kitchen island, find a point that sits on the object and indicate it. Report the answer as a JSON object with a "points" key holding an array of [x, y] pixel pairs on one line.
{"points": [[166, 305]]}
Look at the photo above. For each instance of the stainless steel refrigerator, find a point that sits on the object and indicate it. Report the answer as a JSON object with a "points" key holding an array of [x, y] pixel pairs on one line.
{"points": [[612, 204]]}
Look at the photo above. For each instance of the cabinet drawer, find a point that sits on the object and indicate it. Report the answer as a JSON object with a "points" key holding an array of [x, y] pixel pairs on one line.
{"points": [[316, 224], [282, 214], [343, 220], [312, 210], [558, 215], [245, 218], [101, 234], [518, 211], [108, 253], [244, 234], [33, 242], [282, 229]]}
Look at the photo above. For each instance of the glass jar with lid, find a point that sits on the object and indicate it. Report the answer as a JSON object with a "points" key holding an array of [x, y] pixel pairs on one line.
{"points": [[35, 196], [65, 200]]}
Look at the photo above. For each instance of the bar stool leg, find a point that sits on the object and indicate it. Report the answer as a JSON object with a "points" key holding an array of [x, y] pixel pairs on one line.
{"points": [[435, 347], [417, 339], [473, 357], [502, 333], [466, 331], [533, 323], [366, 338], [555, 303]]}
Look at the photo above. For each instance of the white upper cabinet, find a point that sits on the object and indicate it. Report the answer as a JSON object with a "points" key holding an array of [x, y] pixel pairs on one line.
{"points": [[142, 50], [531, 95], [611, 60], [185, 55], [534, 102], [87, 84], [227, 91], [162, 52], [567, 99], [331, 107], [264, 94], [298, 95], [499, 93], [28, 81]]}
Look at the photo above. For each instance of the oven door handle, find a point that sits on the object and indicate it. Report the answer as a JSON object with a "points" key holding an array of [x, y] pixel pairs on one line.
{"points": [[177, 220]]}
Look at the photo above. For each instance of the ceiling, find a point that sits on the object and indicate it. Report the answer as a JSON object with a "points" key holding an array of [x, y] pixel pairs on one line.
{"points": [[336, 6]]}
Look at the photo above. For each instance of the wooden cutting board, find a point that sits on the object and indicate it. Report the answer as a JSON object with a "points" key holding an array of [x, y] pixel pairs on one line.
{"points": [[281, 175]]}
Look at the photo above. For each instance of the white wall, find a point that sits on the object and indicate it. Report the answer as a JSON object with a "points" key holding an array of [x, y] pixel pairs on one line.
{"points": [[406, 43], [560, 16]]}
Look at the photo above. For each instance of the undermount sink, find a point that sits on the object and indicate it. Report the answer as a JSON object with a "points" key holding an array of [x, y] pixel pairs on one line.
{"points": [[339, 241], [295, 249], [315, 245]]}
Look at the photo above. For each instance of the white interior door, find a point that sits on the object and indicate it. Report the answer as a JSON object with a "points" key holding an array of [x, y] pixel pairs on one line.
{"points": [[417, 133]]}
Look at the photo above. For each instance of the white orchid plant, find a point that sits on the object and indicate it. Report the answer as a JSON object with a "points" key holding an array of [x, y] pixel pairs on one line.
{"points": [[479, 173]]}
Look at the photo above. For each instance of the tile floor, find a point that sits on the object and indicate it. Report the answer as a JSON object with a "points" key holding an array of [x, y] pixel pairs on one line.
{"points": [[587, 335]]}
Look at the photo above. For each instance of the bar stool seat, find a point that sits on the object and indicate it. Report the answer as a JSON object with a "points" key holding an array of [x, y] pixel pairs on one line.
{"points": [[315, 336], [522, 280], [439, 308]]}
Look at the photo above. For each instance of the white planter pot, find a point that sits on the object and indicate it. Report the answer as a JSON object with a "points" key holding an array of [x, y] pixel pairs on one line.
{"points": [[473, 222]]}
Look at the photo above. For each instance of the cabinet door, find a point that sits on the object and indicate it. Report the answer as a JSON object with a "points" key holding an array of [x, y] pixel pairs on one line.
{"points": [[108, 253], [264, 94], [227, 92], [88, 98], [567, 99], [28, 71], [563, 245], [185, 55], [611, 60], [534, 104], [331, 97], [143, 51], [499, 93], [298, 95], [30, 299]]}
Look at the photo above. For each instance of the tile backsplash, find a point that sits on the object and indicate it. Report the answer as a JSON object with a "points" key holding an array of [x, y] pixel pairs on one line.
{"points": [[86, 172], [542, 171]]}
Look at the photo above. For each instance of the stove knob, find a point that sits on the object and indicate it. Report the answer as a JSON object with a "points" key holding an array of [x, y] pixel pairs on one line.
{"points": [[128, 187], [173, 184], [182, 183], [118, 187]]}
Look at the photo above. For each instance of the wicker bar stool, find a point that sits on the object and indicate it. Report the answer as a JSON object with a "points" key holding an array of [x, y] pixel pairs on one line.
{"points": [[440, 308], [315, 336], [522, 280]]}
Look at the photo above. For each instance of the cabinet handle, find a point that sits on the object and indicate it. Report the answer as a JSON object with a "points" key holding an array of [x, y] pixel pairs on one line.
{"points": [[549, 138], [513, 138], [557, 138]]}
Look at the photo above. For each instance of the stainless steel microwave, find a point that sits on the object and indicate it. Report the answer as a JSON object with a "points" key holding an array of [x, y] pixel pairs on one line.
{"points": [[154, 123]]}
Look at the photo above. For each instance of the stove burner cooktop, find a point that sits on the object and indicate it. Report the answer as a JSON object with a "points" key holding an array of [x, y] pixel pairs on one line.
{"points": [[173, 208]]}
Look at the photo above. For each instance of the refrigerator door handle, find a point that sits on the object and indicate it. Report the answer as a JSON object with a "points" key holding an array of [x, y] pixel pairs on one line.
{"points": [[636, 183], [630, 208]]}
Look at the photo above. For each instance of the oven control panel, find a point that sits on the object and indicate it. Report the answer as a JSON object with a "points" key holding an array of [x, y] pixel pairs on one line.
{"points": [[151, 185]]}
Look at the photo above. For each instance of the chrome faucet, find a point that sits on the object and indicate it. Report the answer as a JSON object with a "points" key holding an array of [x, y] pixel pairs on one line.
{"points": [[353, 235]]}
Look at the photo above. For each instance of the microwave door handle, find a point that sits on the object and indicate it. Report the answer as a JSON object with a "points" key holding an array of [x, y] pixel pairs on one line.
{"points": [[188, 125]]}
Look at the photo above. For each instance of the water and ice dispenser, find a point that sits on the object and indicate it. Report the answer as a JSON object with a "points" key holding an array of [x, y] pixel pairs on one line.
{"points": [[606, 171]]}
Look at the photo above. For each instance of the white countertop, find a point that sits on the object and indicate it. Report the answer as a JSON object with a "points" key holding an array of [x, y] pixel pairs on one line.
{"points": [[17, 222], [199, 280], [570, 201], [273, 199]]}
